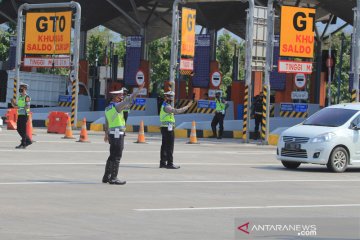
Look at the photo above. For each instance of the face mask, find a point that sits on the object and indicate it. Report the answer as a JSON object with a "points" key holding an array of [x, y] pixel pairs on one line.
{"points": [[21, 90]]}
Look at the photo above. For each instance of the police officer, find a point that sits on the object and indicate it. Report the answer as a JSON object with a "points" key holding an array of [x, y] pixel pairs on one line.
{"points": [[127, 109], [257, 112], [221, 106], [114, 134], [167, 120], [23, 106]]}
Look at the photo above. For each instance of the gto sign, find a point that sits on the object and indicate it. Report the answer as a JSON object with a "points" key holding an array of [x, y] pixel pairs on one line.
{"points": [[48, 33], [297, 32]]}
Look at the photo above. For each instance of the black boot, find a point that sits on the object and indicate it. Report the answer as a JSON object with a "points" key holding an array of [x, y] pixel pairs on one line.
{"points": [[172, 166], [114, 173], [107, 174], [162, 164], [21, 146]]}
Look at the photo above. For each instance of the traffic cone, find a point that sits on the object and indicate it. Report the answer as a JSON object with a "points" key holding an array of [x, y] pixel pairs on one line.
{"points": [[68, 132], [83, 133], [29, 127], [141, 136], [193, 138]]}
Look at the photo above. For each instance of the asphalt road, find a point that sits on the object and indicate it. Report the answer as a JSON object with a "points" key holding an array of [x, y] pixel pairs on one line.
{"points": [[53, 190]]}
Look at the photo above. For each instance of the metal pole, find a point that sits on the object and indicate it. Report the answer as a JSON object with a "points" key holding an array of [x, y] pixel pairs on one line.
{"points": [[76, 54], [174, 44], [248, 61], [355, 51], [329, 73], [269, 63], [19, 42], [340, 66]]}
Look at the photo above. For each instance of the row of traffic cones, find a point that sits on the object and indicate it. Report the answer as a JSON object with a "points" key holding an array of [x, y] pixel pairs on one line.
{"points": [[141, 135], [83, 134]]}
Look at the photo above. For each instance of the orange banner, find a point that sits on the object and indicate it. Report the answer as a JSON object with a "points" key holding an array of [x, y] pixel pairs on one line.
{"points": [[188, 22], [297, 32], [48, 33]]}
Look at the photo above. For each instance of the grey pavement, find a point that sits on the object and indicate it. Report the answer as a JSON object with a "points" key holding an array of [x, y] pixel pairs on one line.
{"points": [[53, 190]]}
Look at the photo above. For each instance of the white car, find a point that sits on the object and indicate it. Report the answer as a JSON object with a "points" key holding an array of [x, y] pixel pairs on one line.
{"points": [[330, 137]]}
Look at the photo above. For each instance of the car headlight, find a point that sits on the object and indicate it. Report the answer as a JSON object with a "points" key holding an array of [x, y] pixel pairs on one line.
{"points": [[326, 137]]}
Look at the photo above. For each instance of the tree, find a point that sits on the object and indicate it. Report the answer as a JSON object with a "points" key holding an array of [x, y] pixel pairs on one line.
{"points": [[224, 54], [345, 70], [159, 56]]}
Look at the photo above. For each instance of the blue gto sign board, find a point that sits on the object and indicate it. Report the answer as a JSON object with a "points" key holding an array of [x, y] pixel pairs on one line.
{"points": [[140, 102], [64, 98], [293, 107]]}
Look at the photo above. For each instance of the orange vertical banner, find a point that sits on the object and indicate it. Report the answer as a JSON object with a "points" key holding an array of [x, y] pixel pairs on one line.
{"points": [[188, 22]]}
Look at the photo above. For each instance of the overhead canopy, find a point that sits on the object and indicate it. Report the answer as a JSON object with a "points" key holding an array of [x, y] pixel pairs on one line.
{"points": [[128, 17]]}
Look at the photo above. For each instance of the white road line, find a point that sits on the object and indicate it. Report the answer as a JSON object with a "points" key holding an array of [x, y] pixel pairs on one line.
{"points": [[139, 152], [246, 207], [186, 182], [130, 164]]}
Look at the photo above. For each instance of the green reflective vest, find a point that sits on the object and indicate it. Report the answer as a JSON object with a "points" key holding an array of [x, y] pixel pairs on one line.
{"points": [[219, 106], [21, 105], [114, 119], [166, 118]]}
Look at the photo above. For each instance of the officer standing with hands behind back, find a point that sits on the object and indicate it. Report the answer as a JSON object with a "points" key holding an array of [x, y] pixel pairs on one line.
{"points": [[167, 120], [114, 133], [23, 106]]}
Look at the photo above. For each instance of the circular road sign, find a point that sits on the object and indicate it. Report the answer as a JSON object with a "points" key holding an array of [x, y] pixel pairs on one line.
{"points": [[300, 80], [140, 78], [216, 79]]}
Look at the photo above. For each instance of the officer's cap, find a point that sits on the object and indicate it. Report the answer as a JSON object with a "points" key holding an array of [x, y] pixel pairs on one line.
{"points": [[169, 94], [24, 84], [124, 89], [117, 92]]}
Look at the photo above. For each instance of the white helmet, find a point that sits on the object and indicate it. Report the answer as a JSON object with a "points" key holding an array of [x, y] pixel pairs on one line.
{"points": [[117, 92], [169, 93]]}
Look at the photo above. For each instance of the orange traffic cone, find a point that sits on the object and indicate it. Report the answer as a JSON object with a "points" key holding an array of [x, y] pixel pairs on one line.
{"points": [[141, 136], [29, 127], [193, 138], [68, 132], [83, 133]]}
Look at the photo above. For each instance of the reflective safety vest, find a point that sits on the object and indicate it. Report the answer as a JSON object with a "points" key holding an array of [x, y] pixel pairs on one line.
{"points": [[166, 118], [115, 119], [21, 105], [219, 106]]}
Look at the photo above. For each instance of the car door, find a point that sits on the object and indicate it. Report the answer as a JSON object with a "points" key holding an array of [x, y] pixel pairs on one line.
{"points": [[354, 147]]}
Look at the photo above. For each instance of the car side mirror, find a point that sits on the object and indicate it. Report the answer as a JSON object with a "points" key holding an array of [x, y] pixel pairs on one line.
{"points": [[355, 127]]}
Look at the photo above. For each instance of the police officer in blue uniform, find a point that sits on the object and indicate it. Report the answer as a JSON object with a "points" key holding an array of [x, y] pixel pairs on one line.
{"points": [[114, 134]]}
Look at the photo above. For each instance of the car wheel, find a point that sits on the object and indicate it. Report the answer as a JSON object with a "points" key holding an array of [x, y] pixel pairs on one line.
{"points": [[290, 165], [338, 161]]}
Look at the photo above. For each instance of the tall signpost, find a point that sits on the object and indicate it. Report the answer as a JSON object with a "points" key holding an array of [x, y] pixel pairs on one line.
{"points": [[356, 53], [268, 68], [49, 33]]}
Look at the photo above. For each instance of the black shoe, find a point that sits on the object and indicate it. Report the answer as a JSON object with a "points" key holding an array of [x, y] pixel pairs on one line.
{"points": [[213, 136], [172, 166], [20, 146], [28, 143], [117, 181], [219, 137], [105, 179], [162, 165]]}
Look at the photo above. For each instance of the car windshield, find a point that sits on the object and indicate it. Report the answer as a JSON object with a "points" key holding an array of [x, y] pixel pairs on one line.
{"points": [[330, 117]]}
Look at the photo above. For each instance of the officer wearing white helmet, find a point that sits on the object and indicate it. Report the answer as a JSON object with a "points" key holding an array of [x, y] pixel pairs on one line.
{"points": [[219, 116], [114, 133], [167, 120], [23, 106]]}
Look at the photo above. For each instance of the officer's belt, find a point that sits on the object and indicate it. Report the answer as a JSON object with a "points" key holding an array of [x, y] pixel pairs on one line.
{"points": [[258, 113]]}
